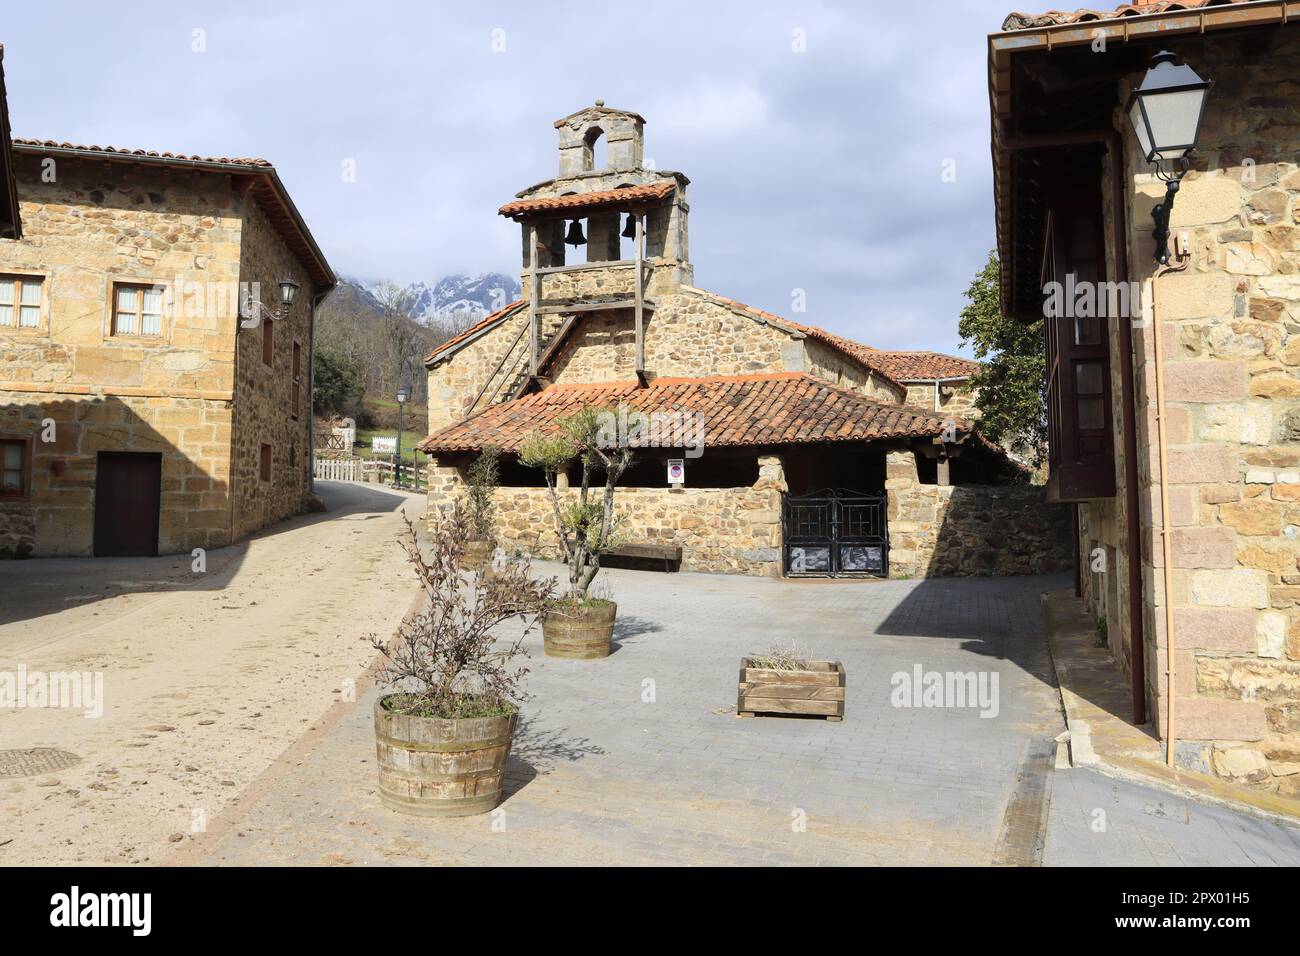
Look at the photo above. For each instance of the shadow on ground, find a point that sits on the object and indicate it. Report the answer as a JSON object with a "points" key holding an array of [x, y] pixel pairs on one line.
{"points": [[35, 587]]}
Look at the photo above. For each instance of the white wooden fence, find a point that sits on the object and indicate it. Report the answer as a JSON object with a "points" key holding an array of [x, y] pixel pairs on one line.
{"points": [[369, 470], [337, 469]]}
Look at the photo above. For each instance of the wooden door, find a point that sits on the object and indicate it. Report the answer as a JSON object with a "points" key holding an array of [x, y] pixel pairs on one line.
{"points": [[128, 489]]}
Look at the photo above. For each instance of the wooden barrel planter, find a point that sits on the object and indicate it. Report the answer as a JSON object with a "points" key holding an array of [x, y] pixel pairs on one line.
{"points": [[478, 552], [436, 767], [583, 632], [815, 688]]}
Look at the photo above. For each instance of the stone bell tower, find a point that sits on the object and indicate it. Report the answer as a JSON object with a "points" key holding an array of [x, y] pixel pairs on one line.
{"points": [[625, 224], [624, 133], [656, 197]]}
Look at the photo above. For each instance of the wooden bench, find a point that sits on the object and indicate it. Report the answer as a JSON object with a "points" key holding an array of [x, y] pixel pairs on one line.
{"points": [[669, 554]]}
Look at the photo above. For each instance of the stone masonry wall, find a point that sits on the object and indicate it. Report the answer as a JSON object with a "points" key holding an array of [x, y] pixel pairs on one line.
{"points": [[93, 225], [264, 410], [191, 434], [835, 367], [957, 399], [970, 530], [1231, 330], [725, 530]]}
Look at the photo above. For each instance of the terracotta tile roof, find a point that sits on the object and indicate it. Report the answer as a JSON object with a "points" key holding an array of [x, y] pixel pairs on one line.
{"points": [[1029, 21], [266, 188], [147, 153], [741, 410], [926, 366], [479, 326], [593, 200]]}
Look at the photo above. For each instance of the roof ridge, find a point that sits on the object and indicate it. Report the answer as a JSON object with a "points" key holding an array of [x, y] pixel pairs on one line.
{"points": [[150, 153], [478, 326], [845, 344]]}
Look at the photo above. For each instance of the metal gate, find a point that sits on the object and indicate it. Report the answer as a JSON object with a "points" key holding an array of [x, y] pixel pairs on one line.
{"points": [[834, 532]]}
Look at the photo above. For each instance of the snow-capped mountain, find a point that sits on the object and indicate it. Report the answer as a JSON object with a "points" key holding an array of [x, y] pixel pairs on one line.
{"points": [[461, 298]]}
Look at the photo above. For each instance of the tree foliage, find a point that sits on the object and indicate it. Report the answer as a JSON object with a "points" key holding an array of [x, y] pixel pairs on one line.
{"points": [[338, 382], [445, 658], [483, 476], [585, 527], [1011, 381]]}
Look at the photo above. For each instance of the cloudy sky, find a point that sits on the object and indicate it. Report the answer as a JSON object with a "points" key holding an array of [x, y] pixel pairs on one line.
{"points": [[815, 135]]}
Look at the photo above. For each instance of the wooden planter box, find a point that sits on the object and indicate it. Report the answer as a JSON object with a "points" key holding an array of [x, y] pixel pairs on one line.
{"points": [[816, 689]]}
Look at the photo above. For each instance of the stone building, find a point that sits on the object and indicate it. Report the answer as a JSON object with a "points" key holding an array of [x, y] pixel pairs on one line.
{"points": [[788, 426], [147, 404], [1075, 196]]}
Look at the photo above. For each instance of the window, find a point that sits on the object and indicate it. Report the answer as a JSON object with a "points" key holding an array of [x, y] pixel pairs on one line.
{"points": [[137, 309], [1081, 460], [20, 302], [268, 342], [14, 462], [265, 464], [297, 379]]}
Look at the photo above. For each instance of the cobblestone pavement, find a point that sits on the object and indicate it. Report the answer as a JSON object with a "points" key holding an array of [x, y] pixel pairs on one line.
{"points": [[639, 759]]}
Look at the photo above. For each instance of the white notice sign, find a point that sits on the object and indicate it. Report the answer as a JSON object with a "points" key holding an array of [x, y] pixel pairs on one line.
{"points": [[676, 471]]}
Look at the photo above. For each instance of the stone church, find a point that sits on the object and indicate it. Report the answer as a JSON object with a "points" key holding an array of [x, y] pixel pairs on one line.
{"points": [[808, 453]]}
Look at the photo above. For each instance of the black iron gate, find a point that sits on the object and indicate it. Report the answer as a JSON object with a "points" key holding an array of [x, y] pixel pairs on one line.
{"points": [[834, 532]]}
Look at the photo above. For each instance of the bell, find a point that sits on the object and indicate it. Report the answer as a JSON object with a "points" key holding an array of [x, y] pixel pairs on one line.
{"points": [[629, 231], [575, 236]]}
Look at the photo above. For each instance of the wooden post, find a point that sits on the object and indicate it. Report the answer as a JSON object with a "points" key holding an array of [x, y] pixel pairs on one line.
{"points": [[640, 296], [534, 337]]}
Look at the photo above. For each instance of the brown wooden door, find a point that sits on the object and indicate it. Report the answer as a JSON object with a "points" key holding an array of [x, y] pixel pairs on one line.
{"points": [[128, 488]]}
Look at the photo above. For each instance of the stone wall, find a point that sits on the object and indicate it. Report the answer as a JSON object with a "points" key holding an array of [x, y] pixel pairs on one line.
{"points": [[971, 530], [191, 433], [175, 394], [955, 398], [725, 530], [1230, 324], [264, 395], [835, 367]]}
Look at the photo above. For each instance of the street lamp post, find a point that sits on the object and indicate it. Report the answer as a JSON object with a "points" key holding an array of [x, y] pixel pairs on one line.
{"points": [[403, 393]]}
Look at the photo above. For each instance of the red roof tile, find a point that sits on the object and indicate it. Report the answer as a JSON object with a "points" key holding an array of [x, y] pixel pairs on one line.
{"points": [[592, 200], [925, 366], [479, 326], [144, 153], [741, 410], [1028, 21]]}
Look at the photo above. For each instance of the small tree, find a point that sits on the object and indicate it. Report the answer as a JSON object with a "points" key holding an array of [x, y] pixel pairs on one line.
{"points": [[483, 477], [1010, 384], [445, 656], [585, 527]]}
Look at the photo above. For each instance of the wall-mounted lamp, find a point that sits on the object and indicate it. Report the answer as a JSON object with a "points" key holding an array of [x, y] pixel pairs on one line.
{"points": [[1166, 113], [251, 309]]}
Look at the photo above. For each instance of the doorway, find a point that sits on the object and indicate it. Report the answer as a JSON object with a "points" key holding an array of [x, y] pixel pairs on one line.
{"points": [[128, 495]]}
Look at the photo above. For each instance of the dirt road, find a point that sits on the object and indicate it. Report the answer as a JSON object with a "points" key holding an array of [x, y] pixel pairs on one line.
{"points": [[207, 677]]}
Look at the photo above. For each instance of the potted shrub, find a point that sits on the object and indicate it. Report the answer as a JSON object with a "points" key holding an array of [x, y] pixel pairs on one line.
{"points": [[784, 681], [442, 737], [482, 477], [580, 624]]}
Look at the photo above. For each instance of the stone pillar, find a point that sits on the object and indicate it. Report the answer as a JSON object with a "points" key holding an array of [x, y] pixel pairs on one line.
{"points": [[766, 528], [602, 236], [445, 486], [901, 487]]}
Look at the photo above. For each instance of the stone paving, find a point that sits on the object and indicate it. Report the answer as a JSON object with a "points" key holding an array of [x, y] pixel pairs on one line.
{"points": [[1099, 821], [611, 769]]}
